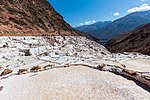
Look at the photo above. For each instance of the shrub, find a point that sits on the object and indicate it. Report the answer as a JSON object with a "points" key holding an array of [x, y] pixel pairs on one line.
{"points": [[11, 1], [1, 10], [19, 22], [11, 10], [4, 23]]}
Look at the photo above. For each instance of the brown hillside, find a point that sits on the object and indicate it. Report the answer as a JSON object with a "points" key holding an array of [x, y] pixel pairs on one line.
{"points": [[31, 17], [136, 41]]}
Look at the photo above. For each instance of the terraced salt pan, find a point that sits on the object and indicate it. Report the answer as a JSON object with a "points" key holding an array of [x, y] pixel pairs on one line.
{"points": [[78, 47], [141, 65], [75, 82], [133, 61], [66, 50]]}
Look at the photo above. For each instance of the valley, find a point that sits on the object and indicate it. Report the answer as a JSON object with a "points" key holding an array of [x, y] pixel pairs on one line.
{"points": [[43, 58]]}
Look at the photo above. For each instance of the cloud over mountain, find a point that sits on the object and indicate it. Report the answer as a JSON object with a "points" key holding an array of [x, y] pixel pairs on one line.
{"points": [[86, 23], [143, 7]]}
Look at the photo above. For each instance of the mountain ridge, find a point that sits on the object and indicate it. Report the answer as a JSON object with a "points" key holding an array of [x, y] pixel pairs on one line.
{"points": [[137, 40], [124, 24], [119, 26], [90, 29]]}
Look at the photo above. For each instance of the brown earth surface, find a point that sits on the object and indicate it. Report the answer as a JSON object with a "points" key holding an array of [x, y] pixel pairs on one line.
{"points": [[31, 18], [136, 41]]}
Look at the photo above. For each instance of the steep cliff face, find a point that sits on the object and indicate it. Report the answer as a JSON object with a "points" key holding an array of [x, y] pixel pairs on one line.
{"points": [[31, 17], [136, 41]]}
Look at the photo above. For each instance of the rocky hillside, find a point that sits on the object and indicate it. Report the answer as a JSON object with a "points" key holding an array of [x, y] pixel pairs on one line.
{"points": [[31, 17], [134, 41], [123, 25]]}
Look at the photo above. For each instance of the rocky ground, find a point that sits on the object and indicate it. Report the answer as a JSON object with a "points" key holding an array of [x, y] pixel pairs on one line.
{"points": [[70, 67]]}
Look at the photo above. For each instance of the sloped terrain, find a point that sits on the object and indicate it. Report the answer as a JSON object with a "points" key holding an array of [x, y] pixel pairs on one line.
{"points": [[36, 17], [33, 51], [75, 82], [38, 67], [52, 61], [70, 65], [137, 40]]}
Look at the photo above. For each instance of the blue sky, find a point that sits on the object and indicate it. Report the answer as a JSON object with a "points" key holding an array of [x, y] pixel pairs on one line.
{"points": [[81, 12]]}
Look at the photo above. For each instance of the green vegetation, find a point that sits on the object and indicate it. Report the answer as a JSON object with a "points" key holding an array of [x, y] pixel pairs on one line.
{"points": [[11, 1], [10, 10], [19, 22], [18, 27], [4, 23], [1, 10]]}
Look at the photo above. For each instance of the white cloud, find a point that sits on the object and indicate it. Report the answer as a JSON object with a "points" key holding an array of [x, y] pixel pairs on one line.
{"points": [[116, 14], [143, 0], [93, 21], [80, 24], [86, 23], [143, 7], [89, 22]]}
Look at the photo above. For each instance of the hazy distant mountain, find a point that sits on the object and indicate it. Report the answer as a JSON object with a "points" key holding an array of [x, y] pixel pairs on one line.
{"points": [[90, 29], [122, 25], [137, 40]]}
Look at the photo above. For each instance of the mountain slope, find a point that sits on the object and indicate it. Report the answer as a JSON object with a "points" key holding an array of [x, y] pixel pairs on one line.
{"points": [[137, 40], [91, 29], [64, 66], [36, 17], [28, 19], [124, 24]]}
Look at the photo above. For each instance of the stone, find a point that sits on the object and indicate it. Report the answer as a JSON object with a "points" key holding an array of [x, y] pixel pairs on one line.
{"points": [[100, 66], [35, 69], [47, 67], [1, 88], [6, 71], [131, 72], [23, 71]]}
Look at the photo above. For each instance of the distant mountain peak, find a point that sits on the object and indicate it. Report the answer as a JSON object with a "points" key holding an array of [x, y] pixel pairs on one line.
{"points": [[122, 25], [90, 29]]}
